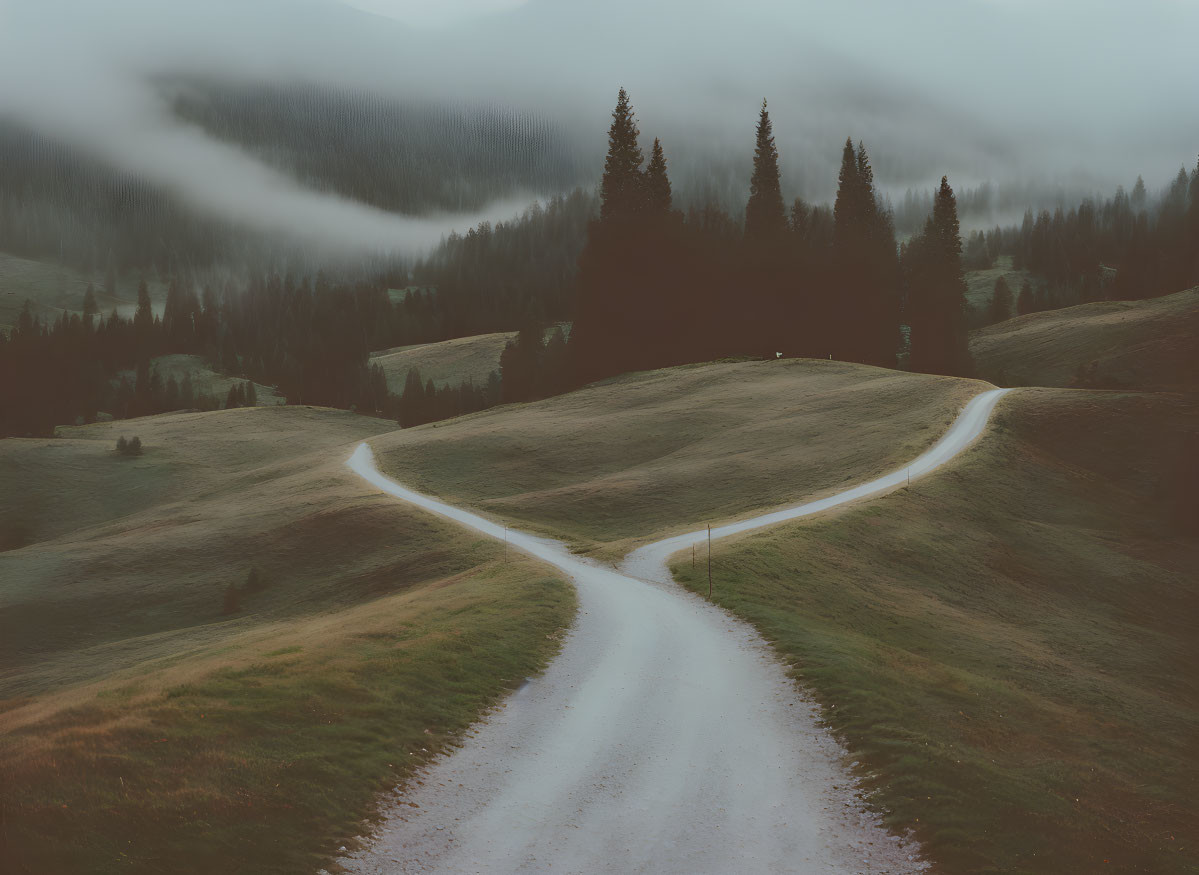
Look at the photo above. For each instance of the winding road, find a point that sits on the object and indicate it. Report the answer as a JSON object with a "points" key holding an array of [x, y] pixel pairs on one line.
{"points": [[664, 738]]}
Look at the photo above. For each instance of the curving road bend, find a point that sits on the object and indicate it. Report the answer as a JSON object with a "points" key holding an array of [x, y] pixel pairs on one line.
{"points": [[664, 738]]}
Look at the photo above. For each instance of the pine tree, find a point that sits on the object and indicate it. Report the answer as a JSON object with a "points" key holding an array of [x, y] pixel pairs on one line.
{"points": [[1138, 195], [412, 402], [231, 398], [252, 394], [621, 191], [847, 210], [765, 216], [1025, 302], [143, 319], [89, 303], [863, 310], [657, 183], [1000, 309], [937, 292]]}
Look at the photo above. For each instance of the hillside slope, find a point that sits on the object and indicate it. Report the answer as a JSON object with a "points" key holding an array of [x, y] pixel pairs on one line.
{"points": [[149, 723], [50, 288], [449, 362], [1151, 345], [1008, 647], [646, 454]]}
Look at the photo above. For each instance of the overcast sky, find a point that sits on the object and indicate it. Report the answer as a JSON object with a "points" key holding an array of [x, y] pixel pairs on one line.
{"points": [[1058, 90]]}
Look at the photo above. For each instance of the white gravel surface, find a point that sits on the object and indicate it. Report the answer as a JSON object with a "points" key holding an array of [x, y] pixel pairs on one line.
{"points": [[664, 738]]}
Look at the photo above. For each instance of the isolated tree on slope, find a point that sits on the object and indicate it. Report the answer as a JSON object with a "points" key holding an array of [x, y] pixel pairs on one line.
{"points": [[621, 189], [1001, 303], [765, 216], [1026, 302]]}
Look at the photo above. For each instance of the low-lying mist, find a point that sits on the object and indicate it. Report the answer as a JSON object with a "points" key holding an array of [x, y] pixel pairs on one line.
{"points": [[1075, 96]]}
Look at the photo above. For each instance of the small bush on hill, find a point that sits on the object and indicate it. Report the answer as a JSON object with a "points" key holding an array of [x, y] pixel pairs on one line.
{"points": [[255, 581], [129, 447], [232, 600]]}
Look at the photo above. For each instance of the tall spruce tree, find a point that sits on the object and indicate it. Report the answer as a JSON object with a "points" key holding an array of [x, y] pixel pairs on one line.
{"points": [[847, 210], [864, 300], [765, 216], [657, 183], [1000, 308], [937, 292], [622, 187]]}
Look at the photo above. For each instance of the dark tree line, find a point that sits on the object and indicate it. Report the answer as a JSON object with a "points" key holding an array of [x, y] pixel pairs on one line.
{"points": [[1126, 248], [401, 156], [1129, 247], [311, 340], [494, 276], [658, 287], [422, 402]]}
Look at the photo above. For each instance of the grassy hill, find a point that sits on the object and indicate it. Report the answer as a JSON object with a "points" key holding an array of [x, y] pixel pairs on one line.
{"points": [[641, 455], [1151, 345], [204, 379], [980, 284], [1005, 647], [144, 728], [448, 362], [52, 288], [1009, 646]]}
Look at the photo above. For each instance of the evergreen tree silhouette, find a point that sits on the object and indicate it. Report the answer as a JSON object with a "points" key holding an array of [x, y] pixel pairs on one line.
{"points": [[622, 190], [657, 184], [765, 217], [1025, 301], [863, 295], [1000, 308], [937, 292]]}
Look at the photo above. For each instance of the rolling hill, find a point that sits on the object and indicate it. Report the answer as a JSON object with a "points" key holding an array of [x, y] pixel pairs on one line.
{"points": [[638, 456], [449, 362], [1007, 647], [226, 648], [1149, 345]]}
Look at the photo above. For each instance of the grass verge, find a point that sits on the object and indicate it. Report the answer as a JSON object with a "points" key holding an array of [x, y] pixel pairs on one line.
{"points": [[279, 743], [1008, 649]]}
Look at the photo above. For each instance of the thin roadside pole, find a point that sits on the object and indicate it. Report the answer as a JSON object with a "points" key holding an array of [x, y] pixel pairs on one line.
{"points": [[709, 561], [692, 557]]}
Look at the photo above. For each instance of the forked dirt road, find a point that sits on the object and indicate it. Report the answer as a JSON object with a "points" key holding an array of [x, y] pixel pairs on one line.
{"points": [[664, 738]]}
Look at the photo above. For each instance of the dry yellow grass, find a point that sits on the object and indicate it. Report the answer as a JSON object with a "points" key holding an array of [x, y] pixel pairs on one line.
{"points": [[1149, 345], [639, 456], [130, 556], [1009, 646], [144, 729], [449, 362], [446, 363]]}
